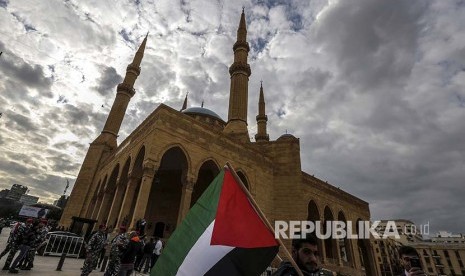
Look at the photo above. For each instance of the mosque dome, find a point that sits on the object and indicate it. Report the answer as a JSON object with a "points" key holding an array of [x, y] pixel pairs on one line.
{"points": [[205, 115], [286, 136], [202, 111]]}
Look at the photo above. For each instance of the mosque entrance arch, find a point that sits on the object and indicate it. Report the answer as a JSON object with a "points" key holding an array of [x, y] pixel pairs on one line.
{"points": [[165, 194], [207, 172], [159, 230]]}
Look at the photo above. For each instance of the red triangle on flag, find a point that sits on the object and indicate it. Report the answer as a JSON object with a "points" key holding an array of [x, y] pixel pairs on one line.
{"points": [[237, 223]]}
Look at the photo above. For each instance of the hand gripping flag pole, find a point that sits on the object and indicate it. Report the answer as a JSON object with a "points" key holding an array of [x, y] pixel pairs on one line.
{"points": [[263, 217]]}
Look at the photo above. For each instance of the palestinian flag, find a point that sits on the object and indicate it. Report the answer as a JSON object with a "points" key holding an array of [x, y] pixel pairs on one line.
{"points": [[221, 235]]}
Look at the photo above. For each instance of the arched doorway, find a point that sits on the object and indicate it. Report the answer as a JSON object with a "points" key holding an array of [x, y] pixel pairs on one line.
{"points": [[119, 196], [137, 175], [159, 229], [344, 244], [330, 243], [364, 249], [207, 172], [99, 198], [108, 194], [93, 202], [165, 194], [132, 190], [313, 215]]}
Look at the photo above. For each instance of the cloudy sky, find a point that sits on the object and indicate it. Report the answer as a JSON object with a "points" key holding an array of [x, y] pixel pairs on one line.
{"points": [[375, 90]]}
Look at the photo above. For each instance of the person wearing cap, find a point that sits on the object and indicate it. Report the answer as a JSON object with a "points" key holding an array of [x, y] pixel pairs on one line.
{"points": [[118, 245], [93, 248], [15, 240], [41, 235], [10, 240], [24, 242], [128, 257]]}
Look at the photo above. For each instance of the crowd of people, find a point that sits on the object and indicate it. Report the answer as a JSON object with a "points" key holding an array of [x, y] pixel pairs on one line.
{"points": [[133, 251], [126, 251], [129, 251], [24, 238]]}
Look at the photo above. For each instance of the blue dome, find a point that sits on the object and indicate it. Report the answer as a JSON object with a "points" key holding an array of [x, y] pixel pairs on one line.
{"points": [[201, 111], [286, 136]]}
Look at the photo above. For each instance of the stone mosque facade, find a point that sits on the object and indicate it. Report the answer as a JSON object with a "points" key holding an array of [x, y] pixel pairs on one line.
{"points": [[160, 170]]}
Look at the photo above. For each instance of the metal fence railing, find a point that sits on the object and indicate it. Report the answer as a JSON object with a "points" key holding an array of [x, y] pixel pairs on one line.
{"points": [[58, 244]]}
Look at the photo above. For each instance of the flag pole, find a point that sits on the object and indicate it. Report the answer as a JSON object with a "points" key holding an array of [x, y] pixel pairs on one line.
{"points": [[263, 217]]}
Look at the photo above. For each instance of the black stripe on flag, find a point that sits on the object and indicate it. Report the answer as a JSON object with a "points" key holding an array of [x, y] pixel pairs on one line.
{"points": [[244, 261]]}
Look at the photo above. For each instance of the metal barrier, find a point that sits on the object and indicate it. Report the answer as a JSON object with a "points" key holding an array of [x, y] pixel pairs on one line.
{"points": [[58, 244]]}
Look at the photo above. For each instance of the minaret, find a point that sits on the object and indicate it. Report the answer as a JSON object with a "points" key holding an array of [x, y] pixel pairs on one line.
{"points": [[261, 135], [124, 93], [79, 199], [184, 105], [238, 93]]}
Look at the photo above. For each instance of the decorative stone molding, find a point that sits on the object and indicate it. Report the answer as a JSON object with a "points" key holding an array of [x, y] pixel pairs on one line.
{"points": [[132, 68], [239, 66], [149, 167], [126, 89], [262, 118], [241, 44]]}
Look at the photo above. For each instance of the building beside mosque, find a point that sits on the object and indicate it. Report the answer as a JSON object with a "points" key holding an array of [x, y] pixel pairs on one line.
{"points": [[160, 170]]}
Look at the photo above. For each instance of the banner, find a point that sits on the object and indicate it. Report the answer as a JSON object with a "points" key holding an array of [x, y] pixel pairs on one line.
{"points": [[35, 212]]}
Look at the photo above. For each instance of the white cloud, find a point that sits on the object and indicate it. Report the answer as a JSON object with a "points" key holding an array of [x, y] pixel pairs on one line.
{"points": [[374, 89]]}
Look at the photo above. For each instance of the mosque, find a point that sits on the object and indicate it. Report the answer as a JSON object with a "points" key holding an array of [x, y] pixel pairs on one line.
{"points": [[160, 170]]}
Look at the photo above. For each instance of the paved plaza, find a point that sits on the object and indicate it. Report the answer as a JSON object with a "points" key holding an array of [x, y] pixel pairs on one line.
{"points": [[45, 266]]}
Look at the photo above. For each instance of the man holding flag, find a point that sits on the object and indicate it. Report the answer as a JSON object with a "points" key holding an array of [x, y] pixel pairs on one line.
{"points": [[224, 233], [306, 255]]}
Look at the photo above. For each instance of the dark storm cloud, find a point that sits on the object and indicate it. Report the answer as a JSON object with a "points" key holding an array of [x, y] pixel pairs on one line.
{"points": [[78, 116], [4, 3], [108, 81], [21, 123], [373, 89], [33, 76], [62, 163], [374, 42], [50, 185], [67, 145], [16, 167]]}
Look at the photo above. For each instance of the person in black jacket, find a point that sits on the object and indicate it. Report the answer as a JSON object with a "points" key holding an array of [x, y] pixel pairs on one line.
{"points": [[26, 241], [306, 255], [129, 255], [148, 249]]}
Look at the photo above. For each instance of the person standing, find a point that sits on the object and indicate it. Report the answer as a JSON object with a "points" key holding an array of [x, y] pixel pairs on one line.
{"points": [[306, 255], [41, 234], [10, 241], [129, 255], [146, 259], [96, 243], [25, 241], [156, 251], [118, 246], [16, 234]]}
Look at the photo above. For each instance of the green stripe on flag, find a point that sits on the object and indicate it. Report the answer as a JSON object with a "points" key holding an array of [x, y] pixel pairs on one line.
{"points": [[192, 227]]}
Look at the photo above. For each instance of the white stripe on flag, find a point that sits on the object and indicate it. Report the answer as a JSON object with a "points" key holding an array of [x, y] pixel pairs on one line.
{"points": [[202, 255]]}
